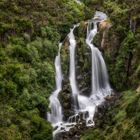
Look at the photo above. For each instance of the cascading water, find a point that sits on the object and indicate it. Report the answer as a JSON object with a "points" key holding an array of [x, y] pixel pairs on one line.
{"points": [[100, 83], [55, 117], [72, 76], [100, 87]]}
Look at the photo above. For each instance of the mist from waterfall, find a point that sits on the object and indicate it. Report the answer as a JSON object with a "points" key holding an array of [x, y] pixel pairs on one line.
{"points": [[100, 87]]}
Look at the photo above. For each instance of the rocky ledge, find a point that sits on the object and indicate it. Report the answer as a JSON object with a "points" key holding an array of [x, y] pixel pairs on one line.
{"points": [[76, 132]]}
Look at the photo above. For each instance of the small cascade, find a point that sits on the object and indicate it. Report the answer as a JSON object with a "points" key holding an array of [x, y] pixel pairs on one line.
{"points": [[84, 106]]}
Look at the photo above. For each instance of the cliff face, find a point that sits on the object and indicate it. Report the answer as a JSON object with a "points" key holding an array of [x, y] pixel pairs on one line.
{"points": [[29, 34]]}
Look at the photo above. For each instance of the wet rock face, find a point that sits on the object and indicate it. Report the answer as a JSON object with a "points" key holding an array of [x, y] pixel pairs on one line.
{"points": [[73, 134], [66, 99], [99, 117], [83, 68], [83, 60], [83, 77], [65, 94], [83, 71], [101, 114]]}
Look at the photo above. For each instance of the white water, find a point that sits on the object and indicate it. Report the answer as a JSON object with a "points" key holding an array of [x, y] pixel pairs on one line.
{"points": [[100, 87], [56, 115], [72, 75], [78, 1], [100, 84]]}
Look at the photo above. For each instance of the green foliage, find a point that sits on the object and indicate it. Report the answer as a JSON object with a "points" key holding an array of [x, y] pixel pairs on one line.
{"points": [[30, 32], [122, 66], [122, 42], [42, 129]]}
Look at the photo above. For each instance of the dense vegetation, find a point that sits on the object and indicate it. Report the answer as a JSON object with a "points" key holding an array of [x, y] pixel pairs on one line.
{"points": [[121, 121], [29, 35], [30, 31]]}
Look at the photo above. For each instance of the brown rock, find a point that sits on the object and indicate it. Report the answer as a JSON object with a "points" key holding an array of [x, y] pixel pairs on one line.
{"points": [[105, 25]]}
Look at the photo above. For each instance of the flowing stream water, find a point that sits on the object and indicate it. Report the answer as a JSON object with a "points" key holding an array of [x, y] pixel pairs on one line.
{"points": [[100, 87]]}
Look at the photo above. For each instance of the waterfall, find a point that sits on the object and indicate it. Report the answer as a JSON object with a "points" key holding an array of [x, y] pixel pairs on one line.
{"points": [[100, 84], [72, 76], [55, 117], [100, 87]]}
